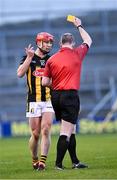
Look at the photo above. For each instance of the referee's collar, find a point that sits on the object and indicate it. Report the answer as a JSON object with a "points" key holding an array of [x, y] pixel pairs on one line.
{"points": [[65, 48]]}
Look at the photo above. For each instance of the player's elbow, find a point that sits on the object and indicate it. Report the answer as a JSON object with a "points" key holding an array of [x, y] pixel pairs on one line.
{"points": [[20, 74]]}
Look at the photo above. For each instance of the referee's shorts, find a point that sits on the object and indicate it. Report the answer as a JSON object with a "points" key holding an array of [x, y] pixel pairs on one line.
{"points": [[66, 105]]}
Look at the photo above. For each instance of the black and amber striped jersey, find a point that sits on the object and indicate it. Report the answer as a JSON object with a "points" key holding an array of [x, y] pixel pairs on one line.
{"points": [[36, 92]]}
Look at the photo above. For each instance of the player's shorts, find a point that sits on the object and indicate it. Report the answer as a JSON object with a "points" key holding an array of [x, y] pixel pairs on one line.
{"points": [[36, 109], [66, 105]]}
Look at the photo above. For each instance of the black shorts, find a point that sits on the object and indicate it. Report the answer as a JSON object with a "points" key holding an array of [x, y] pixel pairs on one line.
{"points": [[66, 105]]}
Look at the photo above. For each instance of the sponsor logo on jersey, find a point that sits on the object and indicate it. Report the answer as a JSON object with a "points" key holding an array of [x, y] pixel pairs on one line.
{"points": [[38, 72]]}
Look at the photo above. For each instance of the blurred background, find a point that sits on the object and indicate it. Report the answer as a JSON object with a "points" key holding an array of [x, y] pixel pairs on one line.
{"points": [[20, 21]]}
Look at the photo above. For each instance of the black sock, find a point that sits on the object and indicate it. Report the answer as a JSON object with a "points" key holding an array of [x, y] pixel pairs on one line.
{"points": [[72, 149], [62, 146]]}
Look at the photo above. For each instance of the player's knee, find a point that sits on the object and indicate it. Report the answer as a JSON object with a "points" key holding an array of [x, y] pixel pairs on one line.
{"points": [[46, 130], [35, 135]]}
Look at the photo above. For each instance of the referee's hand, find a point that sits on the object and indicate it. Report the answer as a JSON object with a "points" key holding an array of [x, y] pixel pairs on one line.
{"points": [[77, 22]]}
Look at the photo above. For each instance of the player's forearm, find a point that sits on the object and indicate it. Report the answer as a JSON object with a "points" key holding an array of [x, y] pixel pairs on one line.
{"points": [[85, 36], [24, 67]]}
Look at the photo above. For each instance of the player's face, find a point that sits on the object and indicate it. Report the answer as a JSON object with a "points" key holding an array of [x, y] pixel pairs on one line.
{"points": [[47, 45]]}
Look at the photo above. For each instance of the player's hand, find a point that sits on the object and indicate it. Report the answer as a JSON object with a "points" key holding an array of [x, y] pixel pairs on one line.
{"points": [[30, 51], [77, 22]]}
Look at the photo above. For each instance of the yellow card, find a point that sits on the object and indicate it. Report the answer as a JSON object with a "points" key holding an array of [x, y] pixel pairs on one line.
{"points": [[70, 18]]}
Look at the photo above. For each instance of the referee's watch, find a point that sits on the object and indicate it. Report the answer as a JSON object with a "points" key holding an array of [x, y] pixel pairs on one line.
{"points": [[80, 26]]}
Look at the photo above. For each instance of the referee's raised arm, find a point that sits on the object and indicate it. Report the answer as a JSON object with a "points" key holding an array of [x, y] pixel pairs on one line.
{"points": [[84, 35]]}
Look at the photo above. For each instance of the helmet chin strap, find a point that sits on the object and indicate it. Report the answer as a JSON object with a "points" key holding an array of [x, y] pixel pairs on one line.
{"points": [[43, 51], [40, 47]]}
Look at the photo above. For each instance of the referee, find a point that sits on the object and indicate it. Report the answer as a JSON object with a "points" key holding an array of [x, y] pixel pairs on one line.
{"points": [[63, 71]]}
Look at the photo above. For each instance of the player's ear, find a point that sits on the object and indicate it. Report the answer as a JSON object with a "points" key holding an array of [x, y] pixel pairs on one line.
{"points": [[39, 44]]}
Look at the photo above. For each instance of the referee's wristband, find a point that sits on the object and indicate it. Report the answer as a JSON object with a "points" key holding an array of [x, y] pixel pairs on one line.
{"points": [[80, 26]]}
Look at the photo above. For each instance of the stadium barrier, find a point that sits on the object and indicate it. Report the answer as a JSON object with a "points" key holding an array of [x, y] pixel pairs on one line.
{"points": [[5, 129], [84, 126]]}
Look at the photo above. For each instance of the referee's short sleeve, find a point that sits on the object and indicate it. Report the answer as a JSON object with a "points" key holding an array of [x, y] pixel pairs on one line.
{"points": [[47, 72], [82, 50]]}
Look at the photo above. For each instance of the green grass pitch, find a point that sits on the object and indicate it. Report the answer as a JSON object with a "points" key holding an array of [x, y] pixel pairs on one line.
{"points": [[98, 151]]}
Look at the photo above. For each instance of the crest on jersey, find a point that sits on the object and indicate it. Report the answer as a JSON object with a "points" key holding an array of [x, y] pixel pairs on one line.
{"points": [[42, 62]]}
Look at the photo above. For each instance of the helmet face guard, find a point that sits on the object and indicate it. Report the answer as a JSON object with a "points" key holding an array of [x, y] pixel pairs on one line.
{"points": [[44, 37]]}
